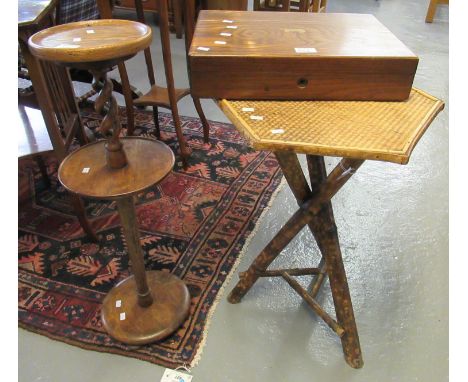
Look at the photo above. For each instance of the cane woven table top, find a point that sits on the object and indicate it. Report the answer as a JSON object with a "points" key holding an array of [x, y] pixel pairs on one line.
{"points": [[386, 131]]}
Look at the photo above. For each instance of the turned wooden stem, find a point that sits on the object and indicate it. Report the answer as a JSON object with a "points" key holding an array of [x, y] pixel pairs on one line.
{"points": [[132, 236], [115, 154]]}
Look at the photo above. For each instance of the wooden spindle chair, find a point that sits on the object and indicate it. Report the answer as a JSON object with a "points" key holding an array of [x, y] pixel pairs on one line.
{"points": [[64, 128], [159, 96]]}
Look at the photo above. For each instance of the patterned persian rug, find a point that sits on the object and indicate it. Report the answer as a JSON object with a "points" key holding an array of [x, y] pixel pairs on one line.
{"points": [[194, 224]]}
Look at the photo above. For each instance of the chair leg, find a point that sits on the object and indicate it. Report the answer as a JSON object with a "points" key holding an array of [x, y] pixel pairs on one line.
{"points": [[127, 92], [156, 122], [43, 169], [201, 114], [184, 151], [177, 12], [431, 9], [78, 205]]}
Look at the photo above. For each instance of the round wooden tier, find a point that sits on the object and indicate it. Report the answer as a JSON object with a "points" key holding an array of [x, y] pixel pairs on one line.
{"points": [[91, 41], [126, 321], [85, 172], [146, 306]]}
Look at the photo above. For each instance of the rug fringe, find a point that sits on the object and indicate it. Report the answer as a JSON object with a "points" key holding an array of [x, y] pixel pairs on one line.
{"points": [[226, 282]]}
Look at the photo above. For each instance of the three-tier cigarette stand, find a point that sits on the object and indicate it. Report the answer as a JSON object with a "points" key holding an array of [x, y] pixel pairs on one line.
{"points": [[147, 306]]}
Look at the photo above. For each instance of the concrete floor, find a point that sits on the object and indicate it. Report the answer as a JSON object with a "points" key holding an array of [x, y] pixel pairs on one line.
{"points": [[393, 224]]}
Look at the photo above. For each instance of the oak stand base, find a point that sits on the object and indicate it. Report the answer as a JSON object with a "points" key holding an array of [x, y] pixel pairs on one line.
{"points": [[143, 325]]}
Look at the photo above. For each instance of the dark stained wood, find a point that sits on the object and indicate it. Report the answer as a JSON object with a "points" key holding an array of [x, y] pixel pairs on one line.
{"points": [[174, 6], [149, 161], [233, 5], [290, 5], [189, 17], [355, 57], [142, 325], [177, 12]]}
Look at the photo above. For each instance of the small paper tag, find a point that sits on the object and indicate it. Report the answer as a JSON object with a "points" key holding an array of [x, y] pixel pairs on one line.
{"points": [[248, 109], [90, 31], [175, 376], [225, 34], [122, 316], [305, 50], [256, 117], [85, 170], [118, 303], [203, 48], [77, 39], [228, 21], [220, 42], [68, 46], [232, 27], [277, 131]]}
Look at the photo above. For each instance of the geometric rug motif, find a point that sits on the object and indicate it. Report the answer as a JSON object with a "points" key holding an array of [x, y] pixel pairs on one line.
{"points": [[194, 224]]}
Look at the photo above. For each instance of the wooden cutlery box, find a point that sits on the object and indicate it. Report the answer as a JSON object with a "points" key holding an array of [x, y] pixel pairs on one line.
{"points": [[295, 55]]}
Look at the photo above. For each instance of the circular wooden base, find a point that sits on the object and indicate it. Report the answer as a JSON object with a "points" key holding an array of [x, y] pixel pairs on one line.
{"points": [[134, 325]]}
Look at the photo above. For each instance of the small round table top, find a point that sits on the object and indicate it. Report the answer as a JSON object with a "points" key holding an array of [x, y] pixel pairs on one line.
{"points": [[91, 41], [85, 172]]}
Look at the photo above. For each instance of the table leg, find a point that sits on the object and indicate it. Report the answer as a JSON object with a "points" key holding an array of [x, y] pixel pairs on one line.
{"points": [[298, 184], [316, 211], [127, 92], [201, 114], [306, 214], [327, 239], [161, 302], [166, 48]]}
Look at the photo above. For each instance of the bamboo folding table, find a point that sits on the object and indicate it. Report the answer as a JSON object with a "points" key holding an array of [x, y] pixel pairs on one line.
{"points": [[354, 130]]}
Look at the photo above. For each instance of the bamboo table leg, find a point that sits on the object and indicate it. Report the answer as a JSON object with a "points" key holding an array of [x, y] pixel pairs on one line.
{"points": [[162, 300], [315, 211]]}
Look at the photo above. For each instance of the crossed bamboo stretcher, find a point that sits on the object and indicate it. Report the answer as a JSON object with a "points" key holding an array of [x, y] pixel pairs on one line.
{"points": [[315, 210]]}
